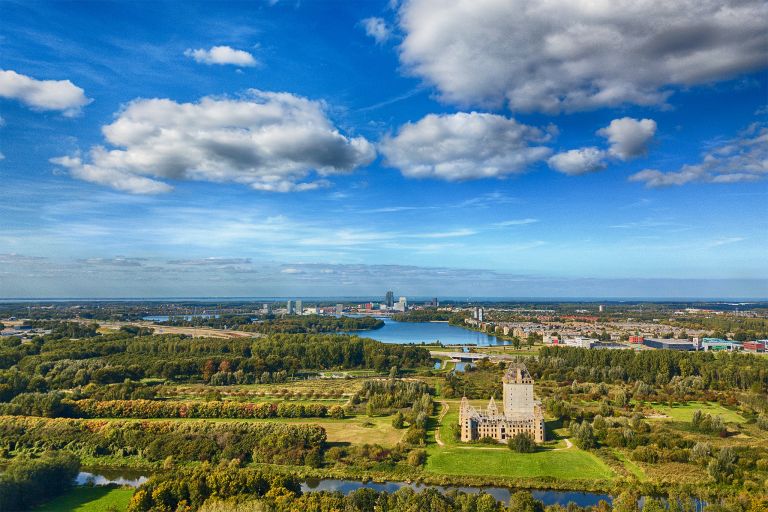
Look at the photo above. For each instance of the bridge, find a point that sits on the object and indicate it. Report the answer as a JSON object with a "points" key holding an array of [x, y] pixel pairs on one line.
{"points": [[464, 357]]}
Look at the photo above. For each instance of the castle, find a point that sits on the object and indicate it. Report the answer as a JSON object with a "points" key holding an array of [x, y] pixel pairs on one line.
{"points": [[521, 413]]}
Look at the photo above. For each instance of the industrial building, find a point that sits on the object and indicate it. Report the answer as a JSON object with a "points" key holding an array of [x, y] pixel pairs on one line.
{"points": [[755, 346], [670, 344], [720, 345]]}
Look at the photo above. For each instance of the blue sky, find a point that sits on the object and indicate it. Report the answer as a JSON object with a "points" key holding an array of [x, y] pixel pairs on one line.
{"points": [[342, 148]]}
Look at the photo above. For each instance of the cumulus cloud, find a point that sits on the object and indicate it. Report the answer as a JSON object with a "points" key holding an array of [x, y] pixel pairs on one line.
{"points": [[465, 146], [628, 137], [578, 161], [569, 55], [378, 29], [742, 159], [266, 140], [60, 95], [222, 55]]}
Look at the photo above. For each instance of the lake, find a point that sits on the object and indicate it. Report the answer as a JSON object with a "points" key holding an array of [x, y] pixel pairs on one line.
{"points": [[428, 332]]}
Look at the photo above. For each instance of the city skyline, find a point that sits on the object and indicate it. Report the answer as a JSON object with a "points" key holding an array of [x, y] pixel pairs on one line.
{"points": [[317, 149]]}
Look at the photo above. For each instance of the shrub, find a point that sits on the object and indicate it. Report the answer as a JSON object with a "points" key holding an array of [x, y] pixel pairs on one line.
{"points": [[522, 442]]}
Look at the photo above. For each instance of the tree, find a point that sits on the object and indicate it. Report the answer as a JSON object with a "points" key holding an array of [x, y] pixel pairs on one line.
{"points": [[723, 467], [522, 443], [523, 501], [584, 435], [398, 421]]}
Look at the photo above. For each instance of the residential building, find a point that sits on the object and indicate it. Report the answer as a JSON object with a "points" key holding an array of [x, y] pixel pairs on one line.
{"points": [[299, 307], [389, 299], [289, 307], [580, 342]]}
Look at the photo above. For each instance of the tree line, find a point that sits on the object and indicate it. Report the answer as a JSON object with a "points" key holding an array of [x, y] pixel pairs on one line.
{"points": [[154, 441], [54, 404]]}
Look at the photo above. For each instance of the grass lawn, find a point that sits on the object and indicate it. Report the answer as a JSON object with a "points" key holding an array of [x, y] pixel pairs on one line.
{"points": [[563, 464], [684, 412], [90, 499], [457, 458]]}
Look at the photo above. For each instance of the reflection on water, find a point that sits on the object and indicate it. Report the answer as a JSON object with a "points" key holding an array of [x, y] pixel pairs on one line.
{"points": [[122, 478], [582, 499]]}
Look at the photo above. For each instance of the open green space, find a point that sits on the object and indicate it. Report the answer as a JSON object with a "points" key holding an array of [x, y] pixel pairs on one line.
{"points": [[684, 411], [90, 499], [565, 464], [553, 460]]}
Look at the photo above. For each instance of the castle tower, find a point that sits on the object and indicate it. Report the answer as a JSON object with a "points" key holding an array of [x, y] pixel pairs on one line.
{"points": [[493, 410], [518, 391]]}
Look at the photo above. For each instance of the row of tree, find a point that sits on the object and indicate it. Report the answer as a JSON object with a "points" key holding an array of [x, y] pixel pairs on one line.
{"points": [[53, 405], [26, 481], [154, 441]]}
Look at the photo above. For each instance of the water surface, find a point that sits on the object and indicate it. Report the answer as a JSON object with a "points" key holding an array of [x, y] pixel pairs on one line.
{"points": [[582, 499], [428, 332]]}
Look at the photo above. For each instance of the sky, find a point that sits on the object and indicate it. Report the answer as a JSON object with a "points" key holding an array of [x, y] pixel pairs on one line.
{"points": [[558, 148]]}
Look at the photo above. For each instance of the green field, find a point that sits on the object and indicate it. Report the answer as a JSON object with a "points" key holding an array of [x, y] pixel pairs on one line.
{"points": [[479, 461], [90, 499], [684, 412], [553, 460]]}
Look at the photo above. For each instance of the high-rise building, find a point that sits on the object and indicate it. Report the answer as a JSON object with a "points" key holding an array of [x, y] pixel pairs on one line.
{"points": [[289, 307], [478, 314], [339, 308], [435, 302], [299, 307], [601, 308], [389, 299]]}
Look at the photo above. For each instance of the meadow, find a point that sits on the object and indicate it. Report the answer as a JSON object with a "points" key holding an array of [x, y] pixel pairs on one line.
{"points": [[90, 499], [684, 411]]}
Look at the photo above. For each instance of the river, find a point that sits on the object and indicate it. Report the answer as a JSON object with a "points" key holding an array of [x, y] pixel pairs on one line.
{"points": [[134, 479]]}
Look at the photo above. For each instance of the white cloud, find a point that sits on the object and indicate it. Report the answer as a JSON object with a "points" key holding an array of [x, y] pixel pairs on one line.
{"points": [[628, 137], [516, 222], [578, 161], [266, 140], [739, 160], [222, 55], [567, 55], [378, 29], [61, 95], [465, 146]]}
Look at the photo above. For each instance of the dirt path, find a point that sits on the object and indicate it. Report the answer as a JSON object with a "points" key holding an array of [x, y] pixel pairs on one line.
{"points": [[443, 412]]}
